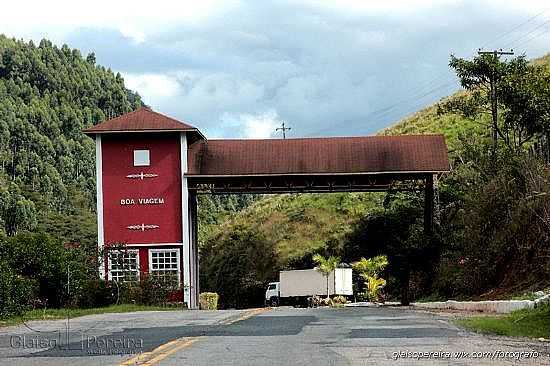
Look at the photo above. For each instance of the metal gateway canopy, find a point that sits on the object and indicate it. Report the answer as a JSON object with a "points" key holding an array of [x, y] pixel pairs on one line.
{"points": [[334, 164]]}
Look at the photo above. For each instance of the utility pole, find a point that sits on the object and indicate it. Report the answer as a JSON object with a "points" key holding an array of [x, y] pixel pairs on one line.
{"points": [[284, 129], [494, 103], [69, 303]]}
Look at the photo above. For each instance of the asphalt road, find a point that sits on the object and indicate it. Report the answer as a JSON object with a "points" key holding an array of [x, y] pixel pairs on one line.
{"points": [[283, 336]]}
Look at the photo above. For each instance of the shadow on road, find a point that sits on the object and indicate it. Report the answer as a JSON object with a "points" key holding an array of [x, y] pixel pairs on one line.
{"points": [[136, 340]]}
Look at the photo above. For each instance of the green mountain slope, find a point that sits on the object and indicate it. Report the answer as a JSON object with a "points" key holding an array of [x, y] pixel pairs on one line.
{"points": [[48, 94], [296, 224], [428, 120]]}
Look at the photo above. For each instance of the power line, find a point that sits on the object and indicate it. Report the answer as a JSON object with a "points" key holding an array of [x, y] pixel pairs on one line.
{"points": [[512, 43], [514, 28], [388, 110], [383, 112], [534, 37]]}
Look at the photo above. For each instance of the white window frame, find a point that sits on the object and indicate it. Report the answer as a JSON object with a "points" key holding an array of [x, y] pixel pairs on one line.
{"points": [[122, 251], [142, 157], [165, 250]]}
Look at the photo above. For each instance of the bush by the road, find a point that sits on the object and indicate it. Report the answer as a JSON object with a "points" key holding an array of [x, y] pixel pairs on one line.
{"points": [[97, 293], [208, 301], [16, 292], [39, 266], [150, 290]]}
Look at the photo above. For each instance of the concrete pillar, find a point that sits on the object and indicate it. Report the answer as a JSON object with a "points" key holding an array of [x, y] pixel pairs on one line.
{"points": [[189, 233], [99, 207], [185, 229]]}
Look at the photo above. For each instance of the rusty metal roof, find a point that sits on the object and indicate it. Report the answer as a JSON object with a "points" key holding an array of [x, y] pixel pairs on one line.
{"points": [[142, 120], [331, 155]]}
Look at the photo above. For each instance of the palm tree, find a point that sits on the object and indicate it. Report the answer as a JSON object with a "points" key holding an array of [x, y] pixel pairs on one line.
{"points": [[369, 269], [325, 266]]}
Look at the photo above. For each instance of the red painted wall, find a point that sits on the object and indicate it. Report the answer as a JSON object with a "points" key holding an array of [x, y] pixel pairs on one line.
{"points": [[144, 260], [118, 162]]}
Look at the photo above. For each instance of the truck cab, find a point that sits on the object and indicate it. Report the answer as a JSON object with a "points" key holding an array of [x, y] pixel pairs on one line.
{"points": [[272, 294]]}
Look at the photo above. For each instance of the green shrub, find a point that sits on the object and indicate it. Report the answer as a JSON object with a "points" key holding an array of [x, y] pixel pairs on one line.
{"points": [[369, 269], [16, 292], [208, 301], [339, 301], [97, 293], [238, 265], [43, 259], [150, 290]]}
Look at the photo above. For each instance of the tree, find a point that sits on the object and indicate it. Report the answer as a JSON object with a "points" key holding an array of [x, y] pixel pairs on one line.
{"points": [[91, 58], [16, 211], [494, 223], [44, 260], [520, 88], [326, 266], [238, 265], [397, 232]]}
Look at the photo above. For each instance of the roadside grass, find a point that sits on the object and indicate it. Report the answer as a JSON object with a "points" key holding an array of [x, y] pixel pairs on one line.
{"points": [[534, 323], [53, 314], [525, 296]]}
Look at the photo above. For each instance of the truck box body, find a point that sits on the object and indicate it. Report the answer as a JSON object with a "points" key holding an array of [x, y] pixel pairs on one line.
{"points": [[309, 282]]}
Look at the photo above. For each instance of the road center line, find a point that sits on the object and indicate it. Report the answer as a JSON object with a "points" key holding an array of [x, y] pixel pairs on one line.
{"points": [[186, 343], [166, 349], [246, 315]]}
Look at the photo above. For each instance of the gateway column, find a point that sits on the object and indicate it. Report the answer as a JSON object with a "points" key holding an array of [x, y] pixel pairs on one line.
{"points": [[188, 222], [193, 252]]}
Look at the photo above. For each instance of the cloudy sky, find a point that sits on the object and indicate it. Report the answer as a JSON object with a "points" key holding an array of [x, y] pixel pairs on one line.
{"points": [[239, 68]]}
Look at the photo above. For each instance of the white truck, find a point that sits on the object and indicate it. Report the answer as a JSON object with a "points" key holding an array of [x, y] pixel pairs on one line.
{"points": [[295, 287]]}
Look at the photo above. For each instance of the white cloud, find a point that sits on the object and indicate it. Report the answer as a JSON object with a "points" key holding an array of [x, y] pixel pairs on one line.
{"points": [[57, 18], [379, 7], [153, 85], [252, 126], [129, 31], [407, 7], [260, 126]]}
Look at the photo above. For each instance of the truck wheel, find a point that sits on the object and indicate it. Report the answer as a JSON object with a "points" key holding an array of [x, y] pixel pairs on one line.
{"points": [[274, 302]]}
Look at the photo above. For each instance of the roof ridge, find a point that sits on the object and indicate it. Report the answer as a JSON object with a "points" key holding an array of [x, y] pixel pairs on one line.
{"points": [[141, 120], [331, 137]]}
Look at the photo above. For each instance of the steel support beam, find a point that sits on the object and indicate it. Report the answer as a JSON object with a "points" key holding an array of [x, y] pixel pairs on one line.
{"points": [[193, 253], [428, 205]]}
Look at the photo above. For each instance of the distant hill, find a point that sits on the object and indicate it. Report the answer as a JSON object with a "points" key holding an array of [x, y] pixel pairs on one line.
{"points": [[296, 224], [427, 121]]}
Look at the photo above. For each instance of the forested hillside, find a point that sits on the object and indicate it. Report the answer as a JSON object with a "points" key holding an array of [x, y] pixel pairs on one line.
{"points": [[48, 94]]}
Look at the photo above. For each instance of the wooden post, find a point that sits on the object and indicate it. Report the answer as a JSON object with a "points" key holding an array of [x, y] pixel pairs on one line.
{"points": [[428, 205]]}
